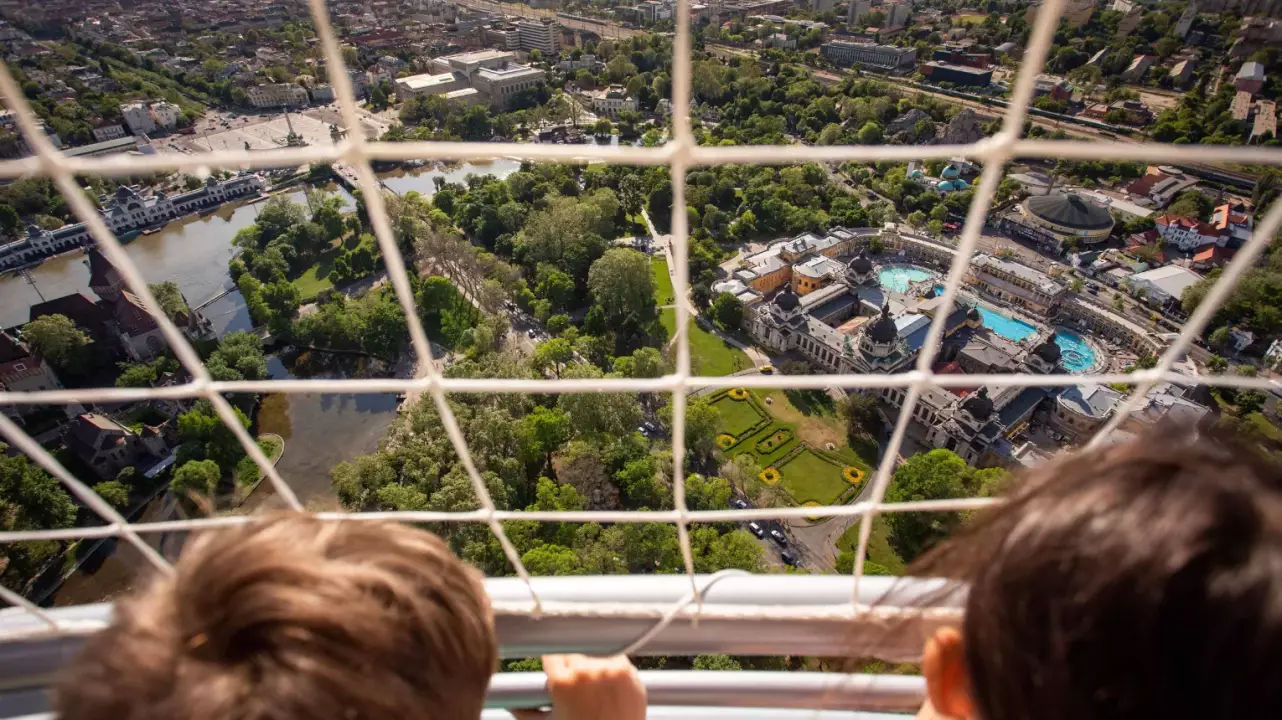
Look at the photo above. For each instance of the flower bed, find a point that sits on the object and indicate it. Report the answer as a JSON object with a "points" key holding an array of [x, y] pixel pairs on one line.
{"points": [[738, 393], [725, 442], [852, 474], [770, 476], [774, 441]]}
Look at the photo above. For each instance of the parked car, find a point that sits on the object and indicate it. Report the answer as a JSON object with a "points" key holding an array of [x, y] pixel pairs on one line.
{"points": [[651, 427], [766, 369], [755, 529], [789, 557], [778, 537], [532, 333], [739, 504], [641, 430]]}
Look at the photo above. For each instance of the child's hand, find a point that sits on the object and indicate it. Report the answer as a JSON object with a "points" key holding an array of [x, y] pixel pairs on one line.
{"points": [[589, 688]]}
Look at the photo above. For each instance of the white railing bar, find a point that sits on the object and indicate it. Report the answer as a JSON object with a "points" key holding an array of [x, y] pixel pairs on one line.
{"points": [[667, 383]]}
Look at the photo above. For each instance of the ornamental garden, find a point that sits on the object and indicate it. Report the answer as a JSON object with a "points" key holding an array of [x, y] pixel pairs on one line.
{"points": [[808, 474]]}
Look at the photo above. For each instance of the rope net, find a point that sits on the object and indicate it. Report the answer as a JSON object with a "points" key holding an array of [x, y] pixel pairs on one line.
{"points": [[679, 154]]}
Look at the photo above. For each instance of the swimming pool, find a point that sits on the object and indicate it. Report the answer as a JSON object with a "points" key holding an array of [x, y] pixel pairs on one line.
{"points": [[897, 278], [1076, 354], [1007, 327]]}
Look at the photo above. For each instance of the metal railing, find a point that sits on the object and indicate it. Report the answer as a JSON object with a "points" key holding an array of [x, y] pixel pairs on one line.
{"points": [[536, 614]]}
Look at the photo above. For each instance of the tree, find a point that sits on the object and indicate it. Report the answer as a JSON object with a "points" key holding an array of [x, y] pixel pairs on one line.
{"points": [[202, 427], [1216, 364], [9, 220], [644, 362], [32, 500], [543, 432], [60, 340], [701, 423], [728, 311], [1220, 337], [114, 492], [554, 354], [863, 416], [170, 298], [869, 134], [716, 662], [621, 283], [239, 356], [599, 414], [1249, 401], [936, 475], [196, 479]]}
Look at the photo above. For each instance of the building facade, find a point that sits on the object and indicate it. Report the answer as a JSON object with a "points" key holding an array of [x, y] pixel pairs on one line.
{"points": [[138, 117], [277, 95], [1015, 283], [844, 52], [113, 131], [124, 212], [541, 35]]}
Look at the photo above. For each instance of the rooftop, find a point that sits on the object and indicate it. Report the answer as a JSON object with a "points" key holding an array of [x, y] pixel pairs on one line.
{"points": [[427, 80], [1038, 278], [1071, 211], [1170, 279]]}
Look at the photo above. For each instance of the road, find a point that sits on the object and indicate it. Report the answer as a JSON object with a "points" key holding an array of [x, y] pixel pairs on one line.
{"points": [[604, 29]]}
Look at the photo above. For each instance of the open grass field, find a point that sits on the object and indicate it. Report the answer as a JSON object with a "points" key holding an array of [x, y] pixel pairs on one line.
{"points": [[736, 415], [968, 19], [316, 279], [809, 477], [663, 293], [879, 549], [709, 354]]}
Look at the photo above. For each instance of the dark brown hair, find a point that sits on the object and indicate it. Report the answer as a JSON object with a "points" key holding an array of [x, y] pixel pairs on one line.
{"points": [[1138, 581], [292, 618]]}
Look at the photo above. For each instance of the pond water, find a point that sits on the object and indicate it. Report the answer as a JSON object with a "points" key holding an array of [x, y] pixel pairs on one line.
{"points": [[897, 278]]}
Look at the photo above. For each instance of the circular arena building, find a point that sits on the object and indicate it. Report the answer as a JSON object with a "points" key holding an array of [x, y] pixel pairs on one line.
{"points": [[1068, 217]]}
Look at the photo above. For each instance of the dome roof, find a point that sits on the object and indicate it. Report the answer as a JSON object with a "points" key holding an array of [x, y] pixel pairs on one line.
{"points": [[883, 330], [978, 405], [947, 186], [787, 300], [916, 173], [1048, 350], [861, 263], [1071, 211], [974, 314], [950, 172], [961, 184]]}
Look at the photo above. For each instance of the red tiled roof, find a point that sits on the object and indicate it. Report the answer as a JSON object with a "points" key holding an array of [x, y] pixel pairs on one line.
{"points": [[1144, 185], [952, 368], [1188, 223], [131, 316], [1214, 254]]}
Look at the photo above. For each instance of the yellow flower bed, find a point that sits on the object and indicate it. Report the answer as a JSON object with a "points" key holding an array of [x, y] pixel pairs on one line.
{"points": [[852, 474], [724, 441], [770, 476], [738, 393], [812, 503]]}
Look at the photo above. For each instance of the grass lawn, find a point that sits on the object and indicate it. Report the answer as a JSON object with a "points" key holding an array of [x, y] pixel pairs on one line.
{"points": [[970, 19], [1266, 427], [812, 414], [736, 415], [809, 477], [879, 549], [247, 471], [709, 354], [663, 293]]}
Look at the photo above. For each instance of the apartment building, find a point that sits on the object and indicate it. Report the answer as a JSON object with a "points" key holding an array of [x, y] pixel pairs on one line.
{"points": [[277, 95], [541, 35], [889, 57]]}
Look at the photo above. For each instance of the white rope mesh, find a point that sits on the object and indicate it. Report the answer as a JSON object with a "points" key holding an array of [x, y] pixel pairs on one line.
{"points": [[680, 153]]}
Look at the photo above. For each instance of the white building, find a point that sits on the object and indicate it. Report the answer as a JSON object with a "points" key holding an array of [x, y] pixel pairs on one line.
{"points": [[124, 212], [856, 10], [277, 95], [844, 52], [611, 101], [501, 84], [138, 117], [1164, 284], [166, 114], [323, 93], [102, 133], [897, 14], [429, 84], [541, 35], [1187, 234]]}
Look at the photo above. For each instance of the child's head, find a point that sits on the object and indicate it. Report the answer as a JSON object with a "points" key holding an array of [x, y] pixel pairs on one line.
{"points": [[295, 618], [1138, 581]]}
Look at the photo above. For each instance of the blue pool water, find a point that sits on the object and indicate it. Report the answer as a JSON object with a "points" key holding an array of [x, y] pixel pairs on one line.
{"points": [[1077, 356], [1007, 327], [897, 278]]}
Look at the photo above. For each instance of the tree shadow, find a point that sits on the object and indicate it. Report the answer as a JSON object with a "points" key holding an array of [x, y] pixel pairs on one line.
{"points": [[811, 402]]}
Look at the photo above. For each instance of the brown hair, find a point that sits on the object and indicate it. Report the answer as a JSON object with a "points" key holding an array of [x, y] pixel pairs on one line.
{"points": [[1138, 581], [293, 618]]}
